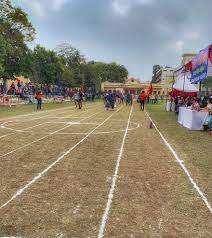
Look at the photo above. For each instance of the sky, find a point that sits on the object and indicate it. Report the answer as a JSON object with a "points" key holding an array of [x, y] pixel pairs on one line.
{"points": [[134, 33]]}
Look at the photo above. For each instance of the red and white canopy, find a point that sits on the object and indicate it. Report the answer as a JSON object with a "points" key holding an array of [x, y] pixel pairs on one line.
{"points": [[183, 87]]}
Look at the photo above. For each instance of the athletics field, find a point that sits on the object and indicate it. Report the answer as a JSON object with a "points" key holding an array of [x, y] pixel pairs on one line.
{"points": [[96, 173]]}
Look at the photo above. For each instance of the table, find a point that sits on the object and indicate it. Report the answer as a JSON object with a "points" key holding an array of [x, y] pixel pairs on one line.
{"points": [[192, 119], [170, 106]]}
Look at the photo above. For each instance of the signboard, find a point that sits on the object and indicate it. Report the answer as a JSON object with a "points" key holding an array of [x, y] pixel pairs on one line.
{"points": [[210, 65], [200, 66]]}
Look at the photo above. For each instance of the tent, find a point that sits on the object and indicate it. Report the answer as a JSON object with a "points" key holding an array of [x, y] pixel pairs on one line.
{"points": [[183, 87]]}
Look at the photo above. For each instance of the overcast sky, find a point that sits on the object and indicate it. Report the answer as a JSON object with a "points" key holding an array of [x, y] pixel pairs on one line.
{"points": [[135, 33]]}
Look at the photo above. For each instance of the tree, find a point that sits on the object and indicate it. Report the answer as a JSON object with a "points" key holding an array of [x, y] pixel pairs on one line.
{"points": [[15, 31], [207, 83], [65, 66], [47, 67], [14, 19], [74, 63], [97, 72], [67, 77], [71, 55], [117, 73]]}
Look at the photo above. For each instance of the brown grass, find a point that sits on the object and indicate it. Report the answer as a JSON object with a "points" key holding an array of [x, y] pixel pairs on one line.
{"points": [[153, 197]]}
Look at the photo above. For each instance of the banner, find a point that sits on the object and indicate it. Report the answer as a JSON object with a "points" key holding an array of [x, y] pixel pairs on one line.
{"points": [[200, 66], [210, 64], [149, 90]]}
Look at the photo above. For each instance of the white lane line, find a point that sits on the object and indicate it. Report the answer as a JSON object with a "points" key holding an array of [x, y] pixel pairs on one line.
{"points": [[182, 165], [99, 133], [16, 131], [31, 127], [41, 174], [20, 131], [42, 138], [44, 112], [33, 142], [8, 135], [113, 184], [3, 127], [36, 113]]}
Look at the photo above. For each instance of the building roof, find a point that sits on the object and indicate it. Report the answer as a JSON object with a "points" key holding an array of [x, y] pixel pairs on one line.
{"points": [[133, 80], [188, 54]]}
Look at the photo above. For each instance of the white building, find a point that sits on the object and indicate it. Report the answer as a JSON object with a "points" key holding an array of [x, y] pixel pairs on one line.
{"points": [[165, 77], [187, 57]]}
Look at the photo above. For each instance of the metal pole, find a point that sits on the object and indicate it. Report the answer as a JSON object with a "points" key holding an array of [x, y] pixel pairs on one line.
{"points": [[200, 88], [172, 89], [184, 79]]}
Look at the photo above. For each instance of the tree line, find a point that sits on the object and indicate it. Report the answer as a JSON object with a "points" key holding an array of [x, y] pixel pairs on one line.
{"points": [[64, 66]]}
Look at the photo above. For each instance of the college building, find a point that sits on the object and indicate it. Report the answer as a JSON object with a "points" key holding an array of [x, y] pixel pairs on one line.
{"points": [[132, 86]]}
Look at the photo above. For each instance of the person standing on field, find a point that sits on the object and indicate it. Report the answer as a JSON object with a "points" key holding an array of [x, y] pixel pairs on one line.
{"points": [[39, 96], [142, 98], [80, 99], [76, 98], [129, 100]]}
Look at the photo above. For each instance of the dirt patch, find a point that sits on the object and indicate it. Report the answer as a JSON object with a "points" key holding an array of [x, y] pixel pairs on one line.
{"points": [[153, 197]]}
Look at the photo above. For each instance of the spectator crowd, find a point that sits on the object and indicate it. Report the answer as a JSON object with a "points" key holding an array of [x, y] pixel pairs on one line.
{"points": [[26, 90]]}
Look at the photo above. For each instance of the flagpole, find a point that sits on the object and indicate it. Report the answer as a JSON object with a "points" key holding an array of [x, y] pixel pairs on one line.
{"points": [[184, 79], [200, 88], [172, 90]]}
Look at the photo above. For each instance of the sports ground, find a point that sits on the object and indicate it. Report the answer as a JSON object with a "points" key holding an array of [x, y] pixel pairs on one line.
{"points": [[96, 173]]}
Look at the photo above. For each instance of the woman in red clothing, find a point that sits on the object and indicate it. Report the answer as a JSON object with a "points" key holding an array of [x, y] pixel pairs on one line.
{"points": [[142, 98]]}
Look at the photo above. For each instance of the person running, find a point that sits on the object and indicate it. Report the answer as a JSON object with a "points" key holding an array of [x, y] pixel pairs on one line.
{"points": [[110, 103], [114, 100], [107, 101], [39, 96], [104, 97], [122, 98], [142, 98], [129, 99], [80, 99], [76, 97]]}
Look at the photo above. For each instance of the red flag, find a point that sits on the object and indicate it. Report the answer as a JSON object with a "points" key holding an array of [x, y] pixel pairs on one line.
{"points": [[210, 55], [188, 66], [149, 90]]}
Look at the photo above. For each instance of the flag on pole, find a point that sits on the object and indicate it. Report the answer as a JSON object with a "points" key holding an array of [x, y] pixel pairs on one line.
{"points": [[188, 66], [149, 90]]}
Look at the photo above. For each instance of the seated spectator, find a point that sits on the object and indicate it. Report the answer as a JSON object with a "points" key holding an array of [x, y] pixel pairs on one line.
{"points": [[188, 102], [208, 123], [195, 105], [209, 105]]}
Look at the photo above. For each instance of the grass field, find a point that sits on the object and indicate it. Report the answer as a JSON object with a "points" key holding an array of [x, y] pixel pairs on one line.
{"points": [[194, 147], [96, 173], [28, 108]]}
